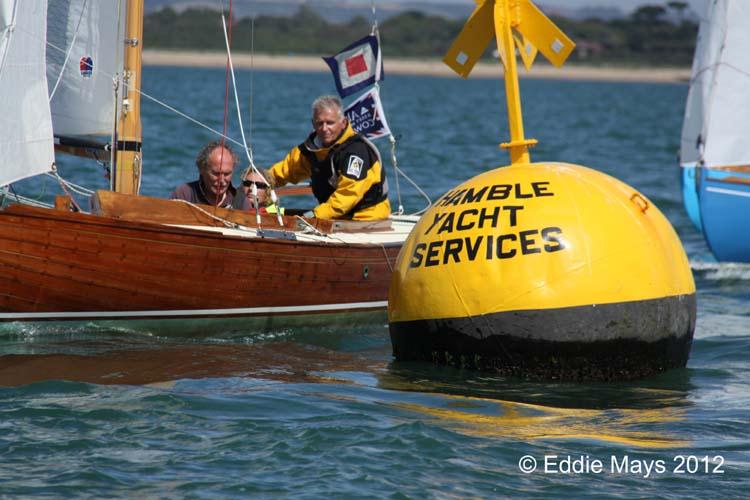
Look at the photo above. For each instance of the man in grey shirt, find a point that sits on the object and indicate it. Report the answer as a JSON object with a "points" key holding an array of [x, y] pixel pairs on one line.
{"points": [[215, 162]]}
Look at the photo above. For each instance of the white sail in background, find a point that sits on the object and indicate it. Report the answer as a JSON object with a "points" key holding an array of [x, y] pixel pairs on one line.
{"points": [[717, 115], [26, 142], [82, 57]]}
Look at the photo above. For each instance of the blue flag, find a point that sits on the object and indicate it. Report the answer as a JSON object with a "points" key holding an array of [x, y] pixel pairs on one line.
{"points": [[366, 115]]}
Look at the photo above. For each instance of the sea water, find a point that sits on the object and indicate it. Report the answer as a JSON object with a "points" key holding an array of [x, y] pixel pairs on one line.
{"points": [[313, 413]]}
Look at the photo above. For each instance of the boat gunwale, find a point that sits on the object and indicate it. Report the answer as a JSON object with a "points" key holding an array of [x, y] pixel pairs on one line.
{"points": [[105, 221]]}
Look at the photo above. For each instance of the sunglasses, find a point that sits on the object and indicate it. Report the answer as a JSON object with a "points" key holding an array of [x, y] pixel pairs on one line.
{"points": [[259, 185]]}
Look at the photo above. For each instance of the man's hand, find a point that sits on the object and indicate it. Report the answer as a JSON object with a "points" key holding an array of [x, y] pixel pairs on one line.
{"points": [[270, 179]]}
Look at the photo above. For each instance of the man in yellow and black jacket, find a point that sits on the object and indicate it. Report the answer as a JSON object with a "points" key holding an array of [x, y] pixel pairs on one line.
{"points": [[344, 168]]}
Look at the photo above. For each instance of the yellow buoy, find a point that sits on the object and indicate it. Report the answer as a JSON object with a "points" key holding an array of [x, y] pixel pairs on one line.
{"points": [[546, 270], [541, 270]]}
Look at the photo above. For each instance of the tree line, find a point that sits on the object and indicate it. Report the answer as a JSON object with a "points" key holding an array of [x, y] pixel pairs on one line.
{"points": [[652, 35]]}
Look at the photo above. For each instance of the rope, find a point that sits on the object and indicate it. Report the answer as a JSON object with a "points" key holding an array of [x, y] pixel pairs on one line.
{"points": [[227, 223], [9, 192], [394, 162], [416, 186], [394, 159], [63, 185], [387, 260], [248, 150], [83, 191], [309, 228]]}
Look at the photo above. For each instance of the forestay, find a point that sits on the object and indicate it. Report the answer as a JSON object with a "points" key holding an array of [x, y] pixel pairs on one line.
{"points": [[717, 114], [26, 143]]}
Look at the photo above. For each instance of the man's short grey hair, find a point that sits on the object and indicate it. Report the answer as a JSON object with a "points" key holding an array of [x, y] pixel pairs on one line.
{"points": [[201, 161], [328, 102]]}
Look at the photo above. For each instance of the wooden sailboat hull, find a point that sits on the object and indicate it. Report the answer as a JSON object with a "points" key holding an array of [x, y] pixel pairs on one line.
{"points": [[62, 266]]}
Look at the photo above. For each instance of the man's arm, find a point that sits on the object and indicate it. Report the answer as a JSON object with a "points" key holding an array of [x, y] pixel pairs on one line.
{"points": [[293, 168], [357, 176]]}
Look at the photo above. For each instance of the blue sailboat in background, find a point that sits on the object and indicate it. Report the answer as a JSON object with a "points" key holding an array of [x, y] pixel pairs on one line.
{"points": [[715, 141]]}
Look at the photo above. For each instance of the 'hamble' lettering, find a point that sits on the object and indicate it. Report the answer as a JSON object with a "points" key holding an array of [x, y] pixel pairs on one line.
{"points": [[496, 192]]}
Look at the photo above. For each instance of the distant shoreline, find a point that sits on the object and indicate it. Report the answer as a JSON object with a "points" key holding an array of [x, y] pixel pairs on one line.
{"points": [[397, 66]]}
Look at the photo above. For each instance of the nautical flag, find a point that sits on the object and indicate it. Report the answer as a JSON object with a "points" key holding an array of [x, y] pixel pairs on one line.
{"points": [[357, 66], [366, 115]]}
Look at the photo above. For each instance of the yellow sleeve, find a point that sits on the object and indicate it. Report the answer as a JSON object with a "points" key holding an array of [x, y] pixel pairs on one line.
{"points": [[293, 168], [348, 193]]}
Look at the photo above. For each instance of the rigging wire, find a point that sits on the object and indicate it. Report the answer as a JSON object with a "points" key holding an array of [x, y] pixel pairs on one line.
{"points": [[394, 160], [374, 19], [394, 163], [117, 86], [226, 88], [419, 190], [189, 118], [254, 189], [246, 147], [252, 78], [7, 192], [228, 39], [230, 66]]}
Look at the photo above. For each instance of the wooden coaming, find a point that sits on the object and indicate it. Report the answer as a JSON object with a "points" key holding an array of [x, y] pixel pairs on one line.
{"points": [[158, 210]]}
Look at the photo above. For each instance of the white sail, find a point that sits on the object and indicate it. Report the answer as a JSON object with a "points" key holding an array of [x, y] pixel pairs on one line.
{"points": [[84, 54], [26, 142], [717, 114]]}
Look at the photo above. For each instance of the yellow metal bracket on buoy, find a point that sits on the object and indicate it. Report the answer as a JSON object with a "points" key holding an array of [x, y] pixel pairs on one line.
{"points": [[514, 24]]}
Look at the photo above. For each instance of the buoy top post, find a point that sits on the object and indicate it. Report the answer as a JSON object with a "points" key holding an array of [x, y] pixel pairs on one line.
{"points": [[513, 24]]}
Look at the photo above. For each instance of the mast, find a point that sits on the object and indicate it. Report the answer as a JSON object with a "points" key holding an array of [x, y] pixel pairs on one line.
{"points": [[126, 171], [518, 145]]}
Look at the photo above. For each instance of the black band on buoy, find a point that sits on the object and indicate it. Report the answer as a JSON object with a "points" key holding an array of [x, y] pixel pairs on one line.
{"points": [[558, 344]]}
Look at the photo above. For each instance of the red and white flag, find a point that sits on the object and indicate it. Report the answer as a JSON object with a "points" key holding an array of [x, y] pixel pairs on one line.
{"points": [[357, 66]]}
